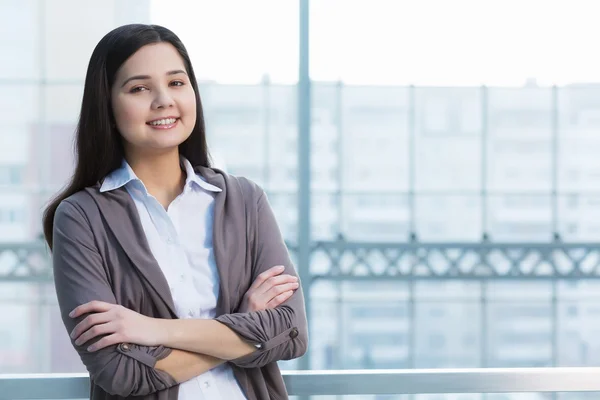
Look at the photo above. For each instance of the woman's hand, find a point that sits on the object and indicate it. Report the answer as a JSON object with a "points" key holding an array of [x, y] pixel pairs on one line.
{"points": [[117, 323], [269, 290]]}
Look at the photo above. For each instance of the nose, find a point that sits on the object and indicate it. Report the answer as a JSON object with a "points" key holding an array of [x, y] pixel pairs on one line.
{"points": [[162, 100]]}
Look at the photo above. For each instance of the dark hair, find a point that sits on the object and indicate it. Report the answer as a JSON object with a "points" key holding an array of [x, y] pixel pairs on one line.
{"points": [[98, 144]]}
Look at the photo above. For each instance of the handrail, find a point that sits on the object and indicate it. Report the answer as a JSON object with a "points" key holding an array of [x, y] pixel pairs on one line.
{"points": [[352, 382]]}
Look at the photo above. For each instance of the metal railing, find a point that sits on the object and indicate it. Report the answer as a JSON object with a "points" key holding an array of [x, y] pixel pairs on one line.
{"points": [[353, 382]]}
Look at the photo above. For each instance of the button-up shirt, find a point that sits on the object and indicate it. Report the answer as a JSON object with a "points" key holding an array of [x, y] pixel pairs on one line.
{"points": [[180, 239]]}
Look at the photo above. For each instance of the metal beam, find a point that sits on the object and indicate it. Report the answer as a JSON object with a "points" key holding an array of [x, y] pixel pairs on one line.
{"points": [[349, 260], [304, 119], [458, 261]]}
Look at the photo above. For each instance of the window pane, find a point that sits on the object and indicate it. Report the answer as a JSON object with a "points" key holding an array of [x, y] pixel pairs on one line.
{"points": [[520, 139], [448, 139], [579, 142], [69, 41], [375, 138], [19, 37], [514, 218], [448, 218]]}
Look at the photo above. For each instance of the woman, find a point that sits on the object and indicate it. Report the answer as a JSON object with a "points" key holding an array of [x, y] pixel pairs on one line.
{"points": [[172, 277]]}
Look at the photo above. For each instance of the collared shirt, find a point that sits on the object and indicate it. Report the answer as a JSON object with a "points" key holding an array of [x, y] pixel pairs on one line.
{"points": [[180, 239]]}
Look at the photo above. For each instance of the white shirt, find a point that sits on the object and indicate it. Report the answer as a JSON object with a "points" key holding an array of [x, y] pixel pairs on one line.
{"points": [[180, 239]]}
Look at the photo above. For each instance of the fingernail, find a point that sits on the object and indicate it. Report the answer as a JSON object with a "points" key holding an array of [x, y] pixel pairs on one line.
{"points": [[280, 268], [91, 348], [72, 313]]}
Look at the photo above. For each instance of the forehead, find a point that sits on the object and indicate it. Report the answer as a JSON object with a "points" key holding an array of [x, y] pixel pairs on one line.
{"points": [[152, 59]]}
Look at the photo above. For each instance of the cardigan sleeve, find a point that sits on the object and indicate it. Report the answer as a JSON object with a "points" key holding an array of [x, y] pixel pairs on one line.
{"points": [[280, 333], [80, 277]]}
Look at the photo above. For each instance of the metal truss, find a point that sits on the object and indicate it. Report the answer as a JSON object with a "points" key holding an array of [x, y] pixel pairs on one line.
{"points": [[348, 260], [25, 262], [455, 261]]}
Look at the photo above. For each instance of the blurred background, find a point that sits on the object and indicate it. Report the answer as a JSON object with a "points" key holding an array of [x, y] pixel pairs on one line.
{"points": [[436, 185]]}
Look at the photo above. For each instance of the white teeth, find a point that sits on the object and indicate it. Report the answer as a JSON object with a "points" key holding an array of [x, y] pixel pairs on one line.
{"points": [[166, 121]]}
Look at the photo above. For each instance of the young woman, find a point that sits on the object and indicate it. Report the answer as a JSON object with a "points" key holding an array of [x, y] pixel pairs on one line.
{"points": [[172, 277]]}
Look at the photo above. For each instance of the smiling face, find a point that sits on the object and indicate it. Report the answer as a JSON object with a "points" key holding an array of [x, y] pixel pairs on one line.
{"points": [[153, 101]]}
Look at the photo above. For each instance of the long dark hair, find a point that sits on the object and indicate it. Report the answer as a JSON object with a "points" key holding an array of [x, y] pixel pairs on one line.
{"points": [[98, 144]]}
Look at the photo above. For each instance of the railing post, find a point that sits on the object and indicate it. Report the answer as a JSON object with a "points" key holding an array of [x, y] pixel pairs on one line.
{"points": [[304, 121]]}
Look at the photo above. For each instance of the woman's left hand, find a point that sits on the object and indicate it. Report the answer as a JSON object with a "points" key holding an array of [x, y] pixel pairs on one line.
{"points": [[116, 323]]}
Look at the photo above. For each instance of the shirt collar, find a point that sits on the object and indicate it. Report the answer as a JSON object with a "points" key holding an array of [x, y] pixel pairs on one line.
{"points": [[118, 178], [193, 177], [124, 174]]}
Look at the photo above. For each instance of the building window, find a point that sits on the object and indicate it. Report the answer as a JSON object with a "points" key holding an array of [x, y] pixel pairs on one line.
{"points": [[437, 341], [12, 216], [437, 312], [11, 175]]}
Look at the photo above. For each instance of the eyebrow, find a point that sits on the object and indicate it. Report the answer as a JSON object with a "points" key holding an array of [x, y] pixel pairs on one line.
{"points": [[140, 77]]}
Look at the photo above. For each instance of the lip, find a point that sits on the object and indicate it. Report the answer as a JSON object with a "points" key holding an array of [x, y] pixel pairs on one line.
{"points": [[169, 126]]}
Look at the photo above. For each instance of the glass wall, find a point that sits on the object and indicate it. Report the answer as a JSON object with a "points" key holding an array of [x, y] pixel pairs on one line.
{"points": [[406, 179]]}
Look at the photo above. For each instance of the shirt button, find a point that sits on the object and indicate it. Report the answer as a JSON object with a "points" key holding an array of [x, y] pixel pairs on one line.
{"points": [[190, 314], [294, 333], [206, 385]]}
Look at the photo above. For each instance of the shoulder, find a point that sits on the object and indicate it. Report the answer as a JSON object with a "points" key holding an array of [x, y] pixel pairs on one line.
{"points": [[78, 205], [247, 186], [233, 185]]}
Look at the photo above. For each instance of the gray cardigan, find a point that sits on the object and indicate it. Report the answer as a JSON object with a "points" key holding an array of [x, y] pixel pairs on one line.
{"points": [[100, 252]]}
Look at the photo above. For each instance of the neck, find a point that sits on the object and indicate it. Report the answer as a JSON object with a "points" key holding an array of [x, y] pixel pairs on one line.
{"points": [[161, 174]]}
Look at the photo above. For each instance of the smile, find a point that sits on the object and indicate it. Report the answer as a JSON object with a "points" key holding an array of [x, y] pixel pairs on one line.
{"points": [[165, 123]]}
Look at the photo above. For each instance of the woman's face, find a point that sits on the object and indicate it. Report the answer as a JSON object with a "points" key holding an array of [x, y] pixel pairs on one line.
{"points": [[153, 101]]}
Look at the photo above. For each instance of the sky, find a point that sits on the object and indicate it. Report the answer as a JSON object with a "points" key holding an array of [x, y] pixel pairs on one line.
{"points": [[389, 42]]}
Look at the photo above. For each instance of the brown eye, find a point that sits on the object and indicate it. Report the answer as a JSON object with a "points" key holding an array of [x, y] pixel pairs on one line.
{"points": [[137, 89]]}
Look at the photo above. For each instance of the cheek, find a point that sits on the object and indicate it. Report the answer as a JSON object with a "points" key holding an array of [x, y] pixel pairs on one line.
{"points": [[189, 105], [127, 113]]}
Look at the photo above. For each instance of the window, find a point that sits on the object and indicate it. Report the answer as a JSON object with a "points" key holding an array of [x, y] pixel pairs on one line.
{"points": [[573, 202], [437, 341], [11, 175], [12, 216], [437, 312], [237, 116]]}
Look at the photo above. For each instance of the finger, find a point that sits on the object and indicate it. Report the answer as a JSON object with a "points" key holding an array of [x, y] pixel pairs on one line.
{"points": [[260, 279], [280, 299], [276, 281], [279, 289], [88, 322], [92, 306], [95, 331], [105, 342]]}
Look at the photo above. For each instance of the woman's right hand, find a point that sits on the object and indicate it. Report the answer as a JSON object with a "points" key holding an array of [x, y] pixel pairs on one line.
{"points": [[269, 290]]}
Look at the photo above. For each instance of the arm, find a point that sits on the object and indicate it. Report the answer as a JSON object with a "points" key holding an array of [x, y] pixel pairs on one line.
{"points": [[116, 324], [80, 278], [257, 338], [184, 365], [268, 290], [205, 336]]}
